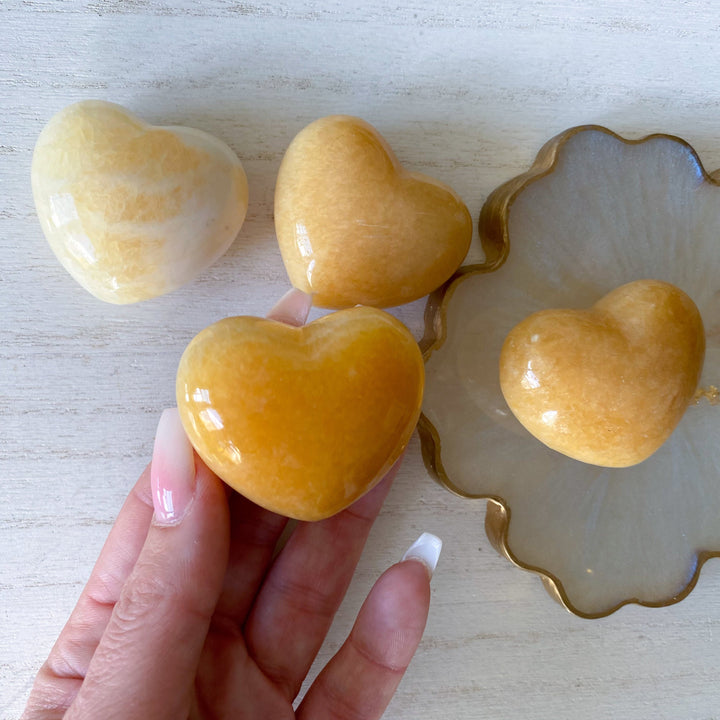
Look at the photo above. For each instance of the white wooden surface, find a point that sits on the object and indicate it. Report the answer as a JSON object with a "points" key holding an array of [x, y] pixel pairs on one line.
{"points": [[466, 91]]}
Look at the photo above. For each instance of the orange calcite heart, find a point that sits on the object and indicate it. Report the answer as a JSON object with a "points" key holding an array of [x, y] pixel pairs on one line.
{"points": [[302, 421], [131, 210], [608, 385], [354, 227]]}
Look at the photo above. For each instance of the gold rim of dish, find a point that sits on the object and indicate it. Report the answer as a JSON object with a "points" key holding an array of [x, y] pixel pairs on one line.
{"points": [[495, 241]]}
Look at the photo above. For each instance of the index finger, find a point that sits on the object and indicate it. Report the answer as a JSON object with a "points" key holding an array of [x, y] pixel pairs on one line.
{"points": [[60, 677]]}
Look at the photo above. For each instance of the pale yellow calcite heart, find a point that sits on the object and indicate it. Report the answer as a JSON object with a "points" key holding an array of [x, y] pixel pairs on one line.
{"points": [[607, 385], [355, 227], [131, 210], [302, 421]]}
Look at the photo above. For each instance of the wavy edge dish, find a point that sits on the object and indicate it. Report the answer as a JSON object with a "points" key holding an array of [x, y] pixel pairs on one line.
{"points": [[495, 241]]}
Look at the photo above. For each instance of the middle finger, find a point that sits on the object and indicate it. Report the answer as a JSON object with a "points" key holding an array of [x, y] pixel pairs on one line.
{"points": [[304, 589], [254, 535]]}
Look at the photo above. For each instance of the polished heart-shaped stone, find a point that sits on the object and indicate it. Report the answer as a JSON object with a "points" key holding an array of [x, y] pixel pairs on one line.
{"points": [[131, 210], [607, 385], [302, 421], [355, 227]]}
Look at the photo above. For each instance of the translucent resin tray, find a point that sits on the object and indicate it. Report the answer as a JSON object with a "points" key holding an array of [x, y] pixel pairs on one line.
{"points": [[595, 211]]}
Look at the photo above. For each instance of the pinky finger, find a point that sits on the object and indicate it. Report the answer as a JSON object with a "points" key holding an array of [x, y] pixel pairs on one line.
{"points": [[361, 679]]}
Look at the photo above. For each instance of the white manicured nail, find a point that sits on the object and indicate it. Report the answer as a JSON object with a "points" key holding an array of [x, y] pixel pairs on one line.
{"points": [[426, 549], [293, 308], [172, 475]]}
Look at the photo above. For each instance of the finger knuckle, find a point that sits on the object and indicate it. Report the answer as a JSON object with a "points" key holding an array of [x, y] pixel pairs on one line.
{"points": [[141, 597], [305, 598]]}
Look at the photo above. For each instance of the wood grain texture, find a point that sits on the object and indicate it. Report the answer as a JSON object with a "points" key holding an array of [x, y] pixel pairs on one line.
{"points": [[466, 91]]}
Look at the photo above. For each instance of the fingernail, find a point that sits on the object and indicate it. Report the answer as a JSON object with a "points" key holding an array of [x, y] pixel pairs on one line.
{"points": [[172, 474], [293, 308], [426, 549]]}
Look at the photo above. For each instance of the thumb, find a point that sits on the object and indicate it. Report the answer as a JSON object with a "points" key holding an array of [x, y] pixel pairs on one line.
{"points": [[146, 661]]}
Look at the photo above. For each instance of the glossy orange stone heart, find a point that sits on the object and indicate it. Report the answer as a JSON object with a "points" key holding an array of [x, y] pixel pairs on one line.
{"points": [[355, 227], [302, 421], [607, 385]]}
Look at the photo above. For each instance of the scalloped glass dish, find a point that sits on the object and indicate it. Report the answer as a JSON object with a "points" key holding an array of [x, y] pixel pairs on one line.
{"points": [[595, 211]]}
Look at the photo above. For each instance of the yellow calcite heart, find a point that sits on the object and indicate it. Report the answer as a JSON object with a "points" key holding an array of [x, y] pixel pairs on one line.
{"points": [[607, 385], [302, 421], [354, 227], [131, 210]]}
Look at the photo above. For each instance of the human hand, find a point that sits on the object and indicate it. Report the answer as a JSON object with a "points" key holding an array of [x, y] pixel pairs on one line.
{"points": [[187, 615]]}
